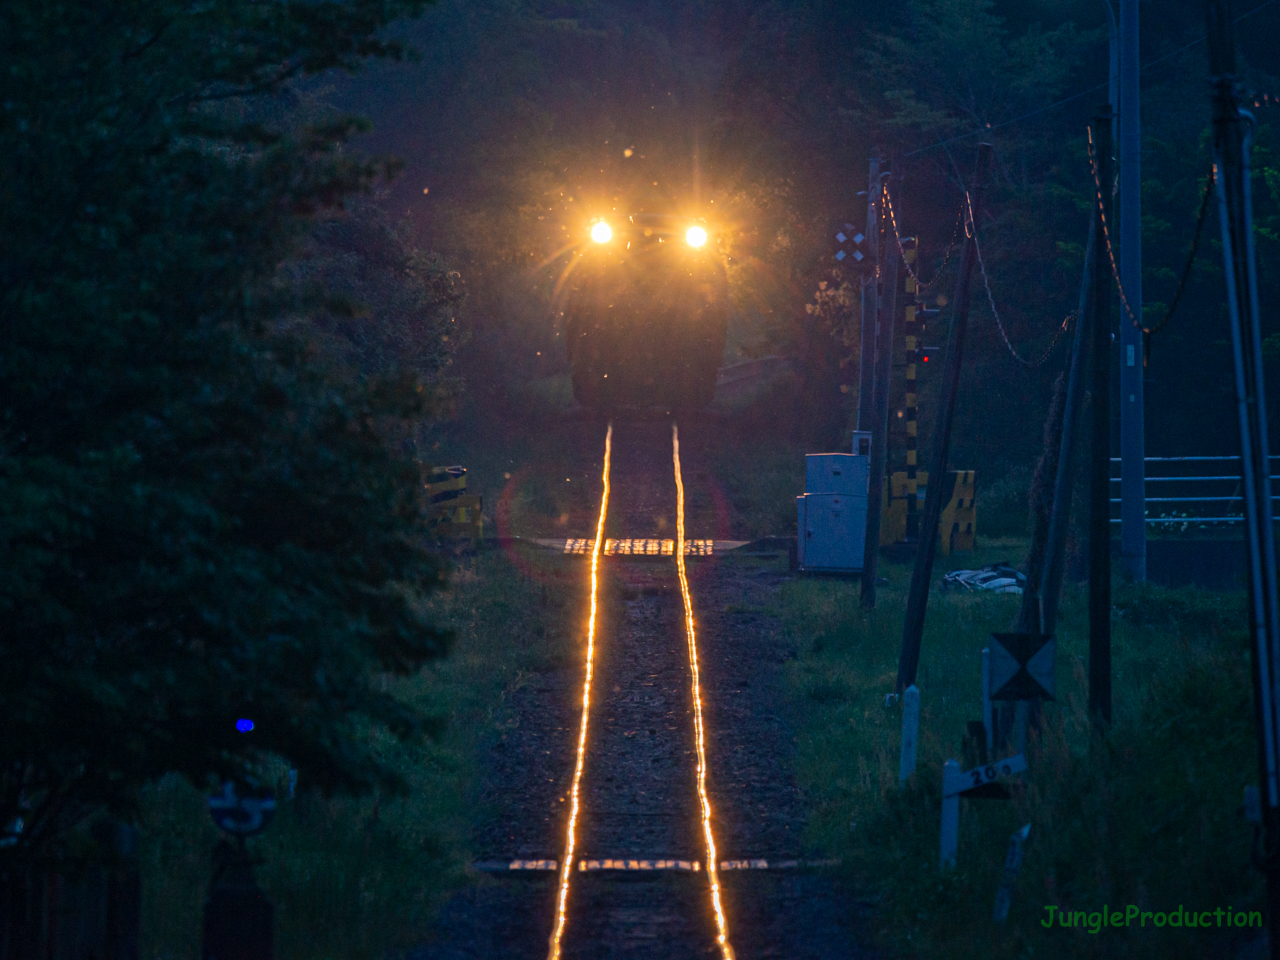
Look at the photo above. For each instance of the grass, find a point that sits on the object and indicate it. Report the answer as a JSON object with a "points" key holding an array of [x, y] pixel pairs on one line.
{"points": [[1147, 815], [355, 878]]}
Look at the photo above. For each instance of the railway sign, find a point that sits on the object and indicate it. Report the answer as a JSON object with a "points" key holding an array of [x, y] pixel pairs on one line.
{"points": [[1022, 666], [242, 815], [850, 244], [956, 782]]}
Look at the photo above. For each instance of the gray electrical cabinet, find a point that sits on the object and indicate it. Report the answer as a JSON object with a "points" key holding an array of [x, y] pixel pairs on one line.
{"points": [[844, 473], [832, 514], [833, 531]]}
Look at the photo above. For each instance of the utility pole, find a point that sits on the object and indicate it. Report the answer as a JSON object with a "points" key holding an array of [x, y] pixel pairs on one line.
{"points": [[867, 330], [1113, 61], [918, 599], [887, 311], [1055, 538], [1100, 465], [1133, 524], [1233, 130]]}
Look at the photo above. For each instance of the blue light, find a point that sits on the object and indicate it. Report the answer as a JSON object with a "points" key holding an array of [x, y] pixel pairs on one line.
{"points": [[244, 726]]}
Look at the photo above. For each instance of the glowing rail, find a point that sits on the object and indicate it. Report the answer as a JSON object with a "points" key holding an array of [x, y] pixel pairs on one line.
{"points": [[566, 869], [713, 873]]}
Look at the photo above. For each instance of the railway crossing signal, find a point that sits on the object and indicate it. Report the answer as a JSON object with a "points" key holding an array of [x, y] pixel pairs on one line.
{"points": [[851, 245], [915, 355], [239, 920], [242, 814], [913, 337]]}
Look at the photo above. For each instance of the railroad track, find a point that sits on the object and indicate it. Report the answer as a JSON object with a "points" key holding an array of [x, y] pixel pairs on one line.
{"points": [[648, 653], [674, 777]]}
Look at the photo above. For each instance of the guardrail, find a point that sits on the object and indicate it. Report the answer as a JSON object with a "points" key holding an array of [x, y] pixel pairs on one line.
{"points": [[1192, 479]]}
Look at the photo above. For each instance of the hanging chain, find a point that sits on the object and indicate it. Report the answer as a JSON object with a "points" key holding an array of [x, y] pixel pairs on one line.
{"points": [[893, 220], [1148, 332], [1195, 242], [1031, 364], [1106, 232]]}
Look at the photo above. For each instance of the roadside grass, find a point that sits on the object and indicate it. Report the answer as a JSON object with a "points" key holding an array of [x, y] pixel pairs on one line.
{"points": [[760, 486], [1147, 815], [355, 878]]}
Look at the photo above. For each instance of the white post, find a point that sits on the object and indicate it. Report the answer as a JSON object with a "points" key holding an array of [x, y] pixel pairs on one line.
{"points": [[987, 719], [950, 813], [910, 732], [1020, 720], [1012, 864]]}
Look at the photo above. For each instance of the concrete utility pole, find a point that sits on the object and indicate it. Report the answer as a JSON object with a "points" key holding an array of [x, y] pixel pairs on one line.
{"points": [[1113, 71], [1100, 464], [885, 316], [867, 332], [1133, 525]]}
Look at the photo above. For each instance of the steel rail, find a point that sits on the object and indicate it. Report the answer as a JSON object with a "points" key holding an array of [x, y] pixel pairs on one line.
{"points": [[566, 869], [713, 874]]}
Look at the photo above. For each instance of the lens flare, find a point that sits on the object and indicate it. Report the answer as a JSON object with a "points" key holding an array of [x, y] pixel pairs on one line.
{"points": [[566, 865], [601, 232], [713, 871], [696, 236]]}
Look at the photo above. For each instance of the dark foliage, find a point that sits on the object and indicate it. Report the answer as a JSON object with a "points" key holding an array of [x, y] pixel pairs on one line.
{"points": [[200, 520]]}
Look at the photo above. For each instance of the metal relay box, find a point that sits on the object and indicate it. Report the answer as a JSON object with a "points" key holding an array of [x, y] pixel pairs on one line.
{"points": [[832, 532], [831, 515], [844, 473]]}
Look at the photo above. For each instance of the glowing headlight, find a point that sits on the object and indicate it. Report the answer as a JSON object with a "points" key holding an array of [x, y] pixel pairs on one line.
{"points": [[696, 236], [600, 232]]}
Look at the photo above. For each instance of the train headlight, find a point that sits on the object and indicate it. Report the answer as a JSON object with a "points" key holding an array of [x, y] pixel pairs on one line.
{"points": [[696, 236], [601, 232]]}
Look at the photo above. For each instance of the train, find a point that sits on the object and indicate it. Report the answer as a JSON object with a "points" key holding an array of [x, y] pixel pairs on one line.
{"points": [[646, 314]]}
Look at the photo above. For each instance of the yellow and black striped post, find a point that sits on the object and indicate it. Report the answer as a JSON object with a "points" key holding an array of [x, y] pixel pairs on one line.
{"points": [[451, 511], [911, 329]]}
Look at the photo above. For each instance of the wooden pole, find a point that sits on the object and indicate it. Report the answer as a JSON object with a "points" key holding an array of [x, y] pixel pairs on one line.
{"points": [[1233, 130], [913, 627], [1055, 539], [1100, 467]]}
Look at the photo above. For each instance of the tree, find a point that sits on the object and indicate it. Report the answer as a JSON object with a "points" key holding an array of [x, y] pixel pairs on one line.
{"points": [[380, 307], [202, 519]]}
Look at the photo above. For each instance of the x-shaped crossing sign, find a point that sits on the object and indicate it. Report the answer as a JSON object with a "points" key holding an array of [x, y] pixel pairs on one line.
{"points": [[849, 244]]}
